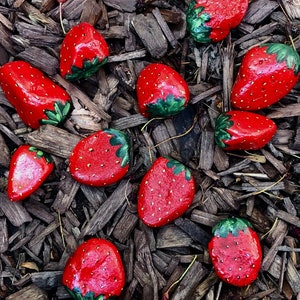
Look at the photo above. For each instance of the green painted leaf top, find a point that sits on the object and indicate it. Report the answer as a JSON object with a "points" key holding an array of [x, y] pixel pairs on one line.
{"points": [[196, 20], [120, 139], [41, 154], [166, 107], [89, 67], [231, 226], [58, 115], [284, 53], [223, 123], [178, 167]]}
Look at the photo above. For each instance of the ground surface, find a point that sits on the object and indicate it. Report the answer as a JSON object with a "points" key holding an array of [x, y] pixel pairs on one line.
{"points": [[39, 233]]}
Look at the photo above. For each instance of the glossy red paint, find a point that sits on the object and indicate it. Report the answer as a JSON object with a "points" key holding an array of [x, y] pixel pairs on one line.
{"points": [[100, 159], [161, 91], [235, 252], [29, 168], [37, 99], [267, 74], [83, 52], [243, 130], [166, 192], [211, 21], [94, 269]]}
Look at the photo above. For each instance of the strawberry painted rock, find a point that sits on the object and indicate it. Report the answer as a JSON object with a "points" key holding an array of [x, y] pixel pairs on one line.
{"points": [[100, 159], [36, 98], [161, 91], [29, 168], [243, 130], [268, 73], [166, 192], [211, 21], [83, 52], [94, 271], [235, 251]]}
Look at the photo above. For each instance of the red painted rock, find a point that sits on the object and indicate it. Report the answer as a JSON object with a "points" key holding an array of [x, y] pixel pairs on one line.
{"points": [[94, 271], [29, 168], [100, 159], [166, 192], [83, 52], [161, 91], [211, 21], [235, 251], [36, 98], [268, 73], [243, 130]]}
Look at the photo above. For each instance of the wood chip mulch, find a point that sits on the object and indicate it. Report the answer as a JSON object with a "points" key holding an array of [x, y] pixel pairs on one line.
{"points": [[38, 234]]}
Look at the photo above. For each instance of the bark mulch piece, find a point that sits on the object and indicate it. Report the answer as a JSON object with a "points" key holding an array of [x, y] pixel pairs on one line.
{"points": [[38, 234]]}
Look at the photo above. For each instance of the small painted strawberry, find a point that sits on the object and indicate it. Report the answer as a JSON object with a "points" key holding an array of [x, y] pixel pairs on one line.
{"points": [[83, 52], [29, 168], [166, 192], [211, 21], [94, 271], [101, 159], [36, 98], [161, 91], [243, 130], [268, 73], [235, 251]]}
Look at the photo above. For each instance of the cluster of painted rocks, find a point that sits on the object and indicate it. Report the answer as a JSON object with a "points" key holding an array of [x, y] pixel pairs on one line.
{"points": [[268, 72]]}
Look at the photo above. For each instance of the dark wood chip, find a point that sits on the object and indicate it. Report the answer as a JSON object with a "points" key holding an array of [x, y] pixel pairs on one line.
{"points": [[150, 34]]}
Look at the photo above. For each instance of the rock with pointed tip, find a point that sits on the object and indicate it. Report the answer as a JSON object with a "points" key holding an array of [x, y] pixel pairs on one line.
{"points": [[243, 130], [268, 73], [37, 99], [166, 192], [29, 168], [83, 52]]}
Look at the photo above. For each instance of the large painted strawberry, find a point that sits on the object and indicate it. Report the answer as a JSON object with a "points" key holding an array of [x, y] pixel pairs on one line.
{"points": [[29, 168], [83, 52], [211, 21], [100, 159], [235, 251], [161, 91], [94, 271], [36, 98], [166, 192], [268, 73], [243, 130]]}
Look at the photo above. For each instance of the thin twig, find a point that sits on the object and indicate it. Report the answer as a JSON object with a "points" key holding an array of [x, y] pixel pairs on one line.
{"points": [[166, 294], [61, 229], [176, 136]]}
